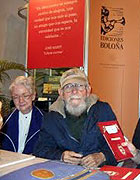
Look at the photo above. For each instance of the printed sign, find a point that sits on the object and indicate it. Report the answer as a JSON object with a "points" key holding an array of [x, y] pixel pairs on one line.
{"points": [[55, 33]]}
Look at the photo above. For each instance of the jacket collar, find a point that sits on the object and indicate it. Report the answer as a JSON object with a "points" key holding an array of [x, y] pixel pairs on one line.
{"points": [[58, 105]]}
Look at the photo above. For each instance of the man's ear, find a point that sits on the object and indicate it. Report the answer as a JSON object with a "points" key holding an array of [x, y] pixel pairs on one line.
{"points": [[60, 92], [33, 96], [88, 90]]}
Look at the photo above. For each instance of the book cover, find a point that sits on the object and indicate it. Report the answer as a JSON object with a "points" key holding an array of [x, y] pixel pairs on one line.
{"points": [[55, 170], [114, 137], [121, 173]]}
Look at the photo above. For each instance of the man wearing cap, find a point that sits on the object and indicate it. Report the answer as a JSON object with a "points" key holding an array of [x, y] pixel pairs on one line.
{"points": [[69, 131]]}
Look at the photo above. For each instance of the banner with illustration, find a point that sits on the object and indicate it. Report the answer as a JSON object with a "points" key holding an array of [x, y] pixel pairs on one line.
{"points": [[55, 33], [114, 57]]}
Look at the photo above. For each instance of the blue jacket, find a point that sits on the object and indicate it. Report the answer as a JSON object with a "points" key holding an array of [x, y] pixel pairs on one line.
{"points": [[136, 136], [9, 132], [55, 136]]}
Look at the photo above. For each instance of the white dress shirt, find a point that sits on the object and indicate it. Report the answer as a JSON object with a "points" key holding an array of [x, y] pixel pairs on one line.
{"points": [[24, 124]]}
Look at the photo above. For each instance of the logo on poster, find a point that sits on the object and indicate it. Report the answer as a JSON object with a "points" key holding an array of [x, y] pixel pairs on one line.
{"points": [[112, 22]]}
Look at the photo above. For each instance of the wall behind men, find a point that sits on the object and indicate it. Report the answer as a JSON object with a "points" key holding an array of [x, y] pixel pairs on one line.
{"points": [[12, 35]]}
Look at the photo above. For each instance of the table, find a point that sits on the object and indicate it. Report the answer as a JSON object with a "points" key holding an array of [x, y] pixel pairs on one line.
{"points": [[13, 163], [17, 161]]}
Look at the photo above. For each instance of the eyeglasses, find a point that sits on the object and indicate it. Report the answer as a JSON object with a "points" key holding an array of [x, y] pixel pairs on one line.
{"points": [[24, 96], [71, 86]]}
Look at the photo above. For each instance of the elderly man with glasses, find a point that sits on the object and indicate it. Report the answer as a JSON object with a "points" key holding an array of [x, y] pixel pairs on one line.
{"points": [[69, 131], [21, 129]]}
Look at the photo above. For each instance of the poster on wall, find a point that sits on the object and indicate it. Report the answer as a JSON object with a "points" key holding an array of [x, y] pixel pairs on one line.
{"points": [[114, 53], [55, 33]]}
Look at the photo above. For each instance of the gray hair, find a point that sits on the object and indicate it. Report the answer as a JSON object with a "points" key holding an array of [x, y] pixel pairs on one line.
{"points": [[27, 82]]}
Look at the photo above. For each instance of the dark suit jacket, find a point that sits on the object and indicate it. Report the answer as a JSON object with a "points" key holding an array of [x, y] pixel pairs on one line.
{"points": [[10, 132], [136, 136]]}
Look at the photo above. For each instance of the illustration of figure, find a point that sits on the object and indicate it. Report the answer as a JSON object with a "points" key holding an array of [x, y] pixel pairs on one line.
{"points": [[106, 24]]}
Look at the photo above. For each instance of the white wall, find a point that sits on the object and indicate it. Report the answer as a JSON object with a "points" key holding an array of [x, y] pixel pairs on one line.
{"points": [[12, 34]]}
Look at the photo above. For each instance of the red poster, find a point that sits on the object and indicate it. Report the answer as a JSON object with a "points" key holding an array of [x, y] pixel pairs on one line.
{"points": [[55, 33]]}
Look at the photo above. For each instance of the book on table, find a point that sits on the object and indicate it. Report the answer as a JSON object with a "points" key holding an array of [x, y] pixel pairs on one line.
{"points": [[121, 173], [8, 158], [55, 170]]}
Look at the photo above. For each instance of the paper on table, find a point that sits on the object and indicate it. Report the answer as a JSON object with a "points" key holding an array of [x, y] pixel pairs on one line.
{"points": [[123, 173], [8, 158]]}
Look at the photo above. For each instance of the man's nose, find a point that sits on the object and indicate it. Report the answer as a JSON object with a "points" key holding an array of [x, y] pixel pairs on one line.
{"points": [[74, 90], [21, 99]]}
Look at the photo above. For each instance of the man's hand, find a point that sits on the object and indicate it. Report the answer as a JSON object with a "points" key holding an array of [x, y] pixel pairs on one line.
{"points": [[131, 147], [93, 160], [71, 157]]}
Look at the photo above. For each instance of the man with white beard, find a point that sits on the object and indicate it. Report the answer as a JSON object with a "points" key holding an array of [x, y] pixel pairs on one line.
{"points": [[69, 131]]}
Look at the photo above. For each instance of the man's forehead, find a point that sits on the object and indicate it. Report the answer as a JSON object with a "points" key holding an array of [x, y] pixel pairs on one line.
{"points": [[75, 80], [18, 89], [74, 84]]}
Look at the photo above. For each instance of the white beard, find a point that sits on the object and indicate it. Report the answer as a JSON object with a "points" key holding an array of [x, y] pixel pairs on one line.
{"points": [[76, 110]]}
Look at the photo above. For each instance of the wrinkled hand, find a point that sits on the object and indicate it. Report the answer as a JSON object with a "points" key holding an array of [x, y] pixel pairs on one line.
{"points": [[71, 157], [93, 160], [131, 147]]}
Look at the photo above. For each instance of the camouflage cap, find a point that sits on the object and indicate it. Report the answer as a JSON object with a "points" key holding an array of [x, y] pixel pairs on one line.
{"points": [[74, 75]]}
